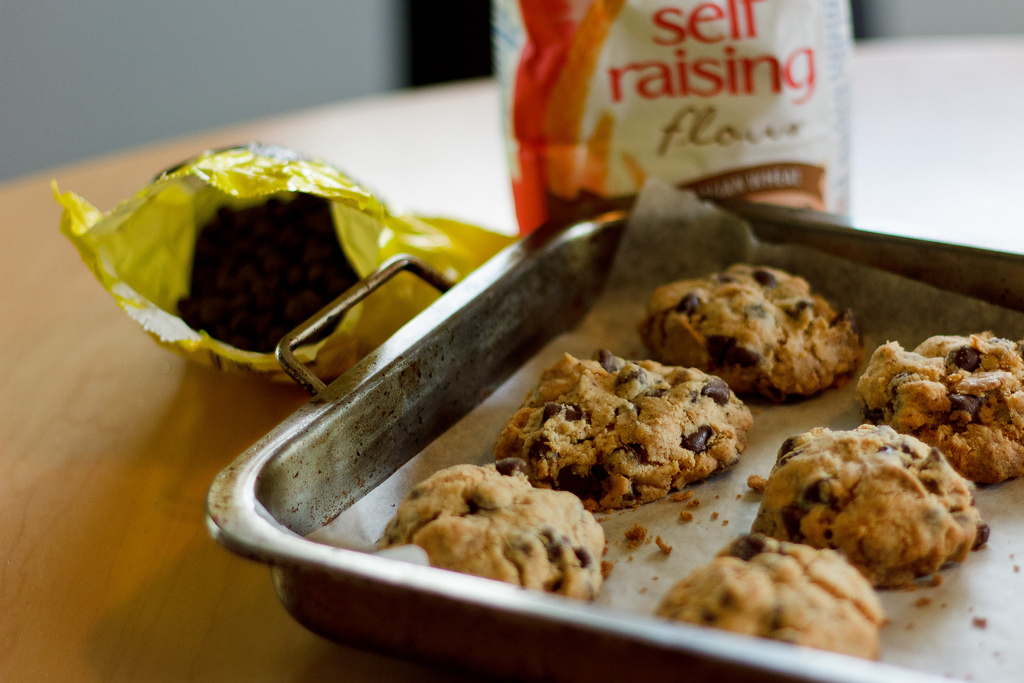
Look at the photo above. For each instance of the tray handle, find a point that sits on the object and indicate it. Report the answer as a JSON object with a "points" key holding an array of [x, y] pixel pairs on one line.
{"points": [[336, 310]]}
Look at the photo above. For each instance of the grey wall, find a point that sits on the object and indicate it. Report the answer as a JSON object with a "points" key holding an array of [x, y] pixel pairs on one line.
{"points": [[944, 17], [84, 78]]}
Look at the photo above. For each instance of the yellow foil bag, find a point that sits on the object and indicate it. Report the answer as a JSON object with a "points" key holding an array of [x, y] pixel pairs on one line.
{"points": [[142, 251]]}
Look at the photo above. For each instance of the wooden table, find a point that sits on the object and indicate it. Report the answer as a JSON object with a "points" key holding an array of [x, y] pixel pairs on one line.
{"points": [[108, 443]]}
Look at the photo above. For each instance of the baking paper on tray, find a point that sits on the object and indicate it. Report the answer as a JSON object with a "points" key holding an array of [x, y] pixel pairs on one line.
{"points": [[966, 627]]}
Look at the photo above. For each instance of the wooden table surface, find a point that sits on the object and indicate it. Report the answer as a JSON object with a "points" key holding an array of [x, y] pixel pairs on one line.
{"points": [[108, 443]]}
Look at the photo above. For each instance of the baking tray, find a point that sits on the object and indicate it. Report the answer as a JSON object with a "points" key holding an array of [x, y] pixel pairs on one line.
{"points": [[329, 475]]}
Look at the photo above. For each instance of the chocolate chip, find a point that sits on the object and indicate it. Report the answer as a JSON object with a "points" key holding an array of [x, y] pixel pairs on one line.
{"points": [[550, 410], [725, 351], [930, 485], [572, 412], [966, 403], [981, 538], [639, 451], [820, 492], [965, 358], [629, 373], [724, 278], [584, 486], [764, 277], [718, 345], [607, 360], [791, 516], [509, 466], [539, 448], [747, 546], [874, 415], [785, 450], [697, 441], [743, 357], [584, 556], [717, 390], [847, 316], [554, 544], [656, 393], [688, 303], [795, 309], [898, 379]]}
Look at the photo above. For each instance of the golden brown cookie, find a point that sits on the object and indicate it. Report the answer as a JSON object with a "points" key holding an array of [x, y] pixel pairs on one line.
{"points": [[889, 502], [760, 329], [784, 591], [490, 522], [964, 395], [619, 433]]}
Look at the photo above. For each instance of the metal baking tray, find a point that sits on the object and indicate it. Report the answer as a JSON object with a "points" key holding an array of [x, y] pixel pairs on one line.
{"points": [[358, 431]]}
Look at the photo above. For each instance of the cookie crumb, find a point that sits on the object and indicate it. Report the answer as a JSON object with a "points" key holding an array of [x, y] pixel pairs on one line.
{"points": [[635, 536], [1016, 569], [738, 496], [685, 516], [681, 496], [714, 515], [922, 602], [910, 626], [935, 580], [629, 559], [655, 578], [665, 547], [693, 503], [716, 496], [943, 606], [725, 522], [756, 482], [644, 589], [979, 622], [606, 569]]}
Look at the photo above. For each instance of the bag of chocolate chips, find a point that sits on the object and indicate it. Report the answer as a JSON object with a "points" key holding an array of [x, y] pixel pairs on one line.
{"points": [[219, 257], [730, 98]]}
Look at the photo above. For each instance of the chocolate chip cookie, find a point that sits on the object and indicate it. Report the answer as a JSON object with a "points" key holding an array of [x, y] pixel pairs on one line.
{"points": [[620, 433], [760, 329], [888, 501], [784, 591], [489, 521], [964, 395]]}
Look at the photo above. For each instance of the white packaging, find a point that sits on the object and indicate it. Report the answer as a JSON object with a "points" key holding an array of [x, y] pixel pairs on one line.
{"points": [[732, 98]]}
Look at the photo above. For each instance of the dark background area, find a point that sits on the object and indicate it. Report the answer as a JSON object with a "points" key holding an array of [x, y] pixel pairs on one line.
{"points": [[448, 41]]}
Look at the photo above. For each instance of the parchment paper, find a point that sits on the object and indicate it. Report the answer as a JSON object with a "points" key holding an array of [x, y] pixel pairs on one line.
{"points": [[966, 627]]}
